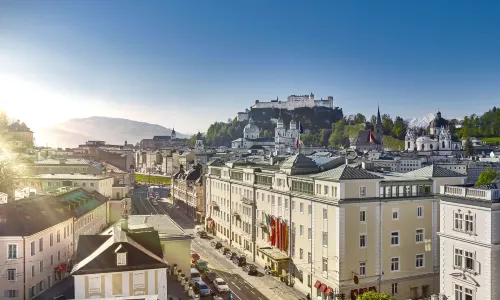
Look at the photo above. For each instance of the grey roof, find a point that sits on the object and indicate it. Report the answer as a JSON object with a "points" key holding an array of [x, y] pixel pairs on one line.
{"points": [[298, 161], [433, 171], [216, 163], [346, 172]]}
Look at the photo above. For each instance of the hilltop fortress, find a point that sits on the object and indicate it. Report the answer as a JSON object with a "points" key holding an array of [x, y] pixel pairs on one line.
{"points": [[293, 102]]}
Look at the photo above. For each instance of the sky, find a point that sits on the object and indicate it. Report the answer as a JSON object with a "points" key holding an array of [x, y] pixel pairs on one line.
{"points": [[187, 64]]}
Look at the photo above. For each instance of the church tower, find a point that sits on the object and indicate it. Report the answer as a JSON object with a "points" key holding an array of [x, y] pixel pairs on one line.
{"points": [[172, 135], [379, 136], [198, 146]]}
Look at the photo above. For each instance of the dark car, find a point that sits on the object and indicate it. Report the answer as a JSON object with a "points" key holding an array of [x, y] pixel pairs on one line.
{"points": [[224, 250], [231, 255], [239, 260], [202, 289], [203, 234], [209, 276], [250, 269]]}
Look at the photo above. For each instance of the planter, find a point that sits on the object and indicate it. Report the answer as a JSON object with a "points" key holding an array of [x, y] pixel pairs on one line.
{"points": [[186, 286], [190, 291]]}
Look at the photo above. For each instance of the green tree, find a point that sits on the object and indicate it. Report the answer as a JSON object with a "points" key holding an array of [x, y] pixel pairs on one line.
{"points": [[307, 139], [487, 176], [373, 119], [469, 147], [387, 124], [399, 128], [338, 137], [371, 295], [359, 118], [267, 134]]}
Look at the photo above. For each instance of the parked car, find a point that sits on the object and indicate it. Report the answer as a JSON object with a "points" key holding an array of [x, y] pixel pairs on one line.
{"points": [[218, 245], [209, 276], [202, 289], [225, 250], [230, 255], [202, 233], [250, 269], [194, 256], [201, 265], [239, 260], [220, 285]]}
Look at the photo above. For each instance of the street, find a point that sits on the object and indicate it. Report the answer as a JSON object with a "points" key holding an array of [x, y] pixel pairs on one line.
{"points": [[243, 286]]}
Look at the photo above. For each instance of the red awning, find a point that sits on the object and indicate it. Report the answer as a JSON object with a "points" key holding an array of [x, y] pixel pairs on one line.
{"points": [[61, 268], [363, 290], [328, 291], [317, 284], [354, 293], [322, 288], [372, 288]]}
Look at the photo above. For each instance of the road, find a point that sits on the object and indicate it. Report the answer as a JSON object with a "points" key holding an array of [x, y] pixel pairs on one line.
{"points": [[233, 275]]}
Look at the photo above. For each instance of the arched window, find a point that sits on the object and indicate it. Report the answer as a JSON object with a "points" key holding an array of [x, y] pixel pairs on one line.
{"points": [[423, 147], [408, 145], [431, 146]]}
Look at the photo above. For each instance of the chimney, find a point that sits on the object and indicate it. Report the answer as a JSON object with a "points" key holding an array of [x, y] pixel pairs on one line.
{"points": [[124, 223]]}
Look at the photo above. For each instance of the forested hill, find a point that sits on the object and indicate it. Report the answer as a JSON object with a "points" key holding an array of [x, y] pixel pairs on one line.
{"points": [[312, 120]]}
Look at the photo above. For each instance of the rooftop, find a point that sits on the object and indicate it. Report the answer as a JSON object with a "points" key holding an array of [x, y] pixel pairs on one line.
{"points": [[70, 161], [487, 193], [72, 176], [433, 171]]}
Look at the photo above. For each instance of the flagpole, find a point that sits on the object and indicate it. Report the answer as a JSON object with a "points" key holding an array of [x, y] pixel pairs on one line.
{"points": [[299, 137]]}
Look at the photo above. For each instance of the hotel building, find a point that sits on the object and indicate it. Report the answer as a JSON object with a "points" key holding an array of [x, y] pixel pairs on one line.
{"points": [[346, 230]]}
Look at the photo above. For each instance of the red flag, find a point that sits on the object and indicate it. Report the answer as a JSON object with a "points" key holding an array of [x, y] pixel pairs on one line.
{"points": [[285, 248], [278, 233], [272, 233], [297, 143], [372, 138]]}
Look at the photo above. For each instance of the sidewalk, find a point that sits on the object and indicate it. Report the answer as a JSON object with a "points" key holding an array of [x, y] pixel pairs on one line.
{"points": [[268, 285]]}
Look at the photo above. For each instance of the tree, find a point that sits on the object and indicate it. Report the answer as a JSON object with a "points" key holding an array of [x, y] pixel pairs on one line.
{"points": [[387, 124], [399, 128], [469, 147], [486, 177], [337, 138], [371, 295], [13, 164], [373, 119], [359, 118], [267, 134]]}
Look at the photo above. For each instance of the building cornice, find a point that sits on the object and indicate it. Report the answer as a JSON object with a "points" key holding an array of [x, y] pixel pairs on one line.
{"points": [[493, 246]]}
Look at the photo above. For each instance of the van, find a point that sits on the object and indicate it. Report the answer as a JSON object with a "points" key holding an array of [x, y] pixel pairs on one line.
{"points": [[195, 275]]}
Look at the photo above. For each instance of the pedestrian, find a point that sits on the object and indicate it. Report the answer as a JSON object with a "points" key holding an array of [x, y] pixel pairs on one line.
{"points": [[308, 297], [230, 295]]}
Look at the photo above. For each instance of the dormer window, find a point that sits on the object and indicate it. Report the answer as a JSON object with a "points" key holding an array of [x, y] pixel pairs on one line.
{"points": [[121, 259]]}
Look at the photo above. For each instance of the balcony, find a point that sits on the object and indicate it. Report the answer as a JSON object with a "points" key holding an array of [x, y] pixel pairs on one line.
{"points": [[472, 193], [235, 214], [246, 200], [263, 224], [215, 205]]}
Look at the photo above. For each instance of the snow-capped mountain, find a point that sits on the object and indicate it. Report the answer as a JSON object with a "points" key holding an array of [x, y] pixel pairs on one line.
{"points": [[421, 122]]}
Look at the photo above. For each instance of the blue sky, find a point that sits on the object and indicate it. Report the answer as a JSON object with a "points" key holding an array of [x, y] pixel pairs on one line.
{"points": [[190, 63]]}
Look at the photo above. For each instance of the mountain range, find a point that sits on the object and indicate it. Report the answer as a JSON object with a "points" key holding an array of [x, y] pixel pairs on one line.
{"points": [[422, 121], [114, 131]]}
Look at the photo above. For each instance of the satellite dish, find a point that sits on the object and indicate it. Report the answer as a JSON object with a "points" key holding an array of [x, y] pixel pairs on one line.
{"points": [[355, 279]]}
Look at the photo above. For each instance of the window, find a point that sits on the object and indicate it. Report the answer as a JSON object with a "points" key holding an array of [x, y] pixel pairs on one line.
{"points": [[362, 191], [51, 239], [41, 266], [301, 253], [51, 260], [309, 233], [395, 238], [458, 219], [11, 274], [293, 204], [325, 188], [419, 235], [419, 261], [11, 293], [395, 213], [462, 293], [394, 289], [465, 260], [95, 284], [33, 271], [394, 264], [325, 264], [362, 268], [12, 251], [469, 223], [362, 214], [420, 212], [58, 256], [58, 238], [325, 239], [32, 248], [362, 241], [40, 245], [309, 257], [301, 230], [301, 207], [325, 213], [309, 209], [121, 259], [458, 258]]}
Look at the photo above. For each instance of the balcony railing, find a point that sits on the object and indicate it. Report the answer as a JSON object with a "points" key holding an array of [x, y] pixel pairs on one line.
{"points": [[473, 193]]}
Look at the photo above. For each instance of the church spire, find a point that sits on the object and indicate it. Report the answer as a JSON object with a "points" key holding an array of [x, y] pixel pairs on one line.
{"points": [[379, 120]]}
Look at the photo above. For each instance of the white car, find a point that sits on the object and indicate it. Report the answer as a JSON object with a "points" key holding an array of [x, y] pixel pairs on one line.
{"points": [[221, 285]]}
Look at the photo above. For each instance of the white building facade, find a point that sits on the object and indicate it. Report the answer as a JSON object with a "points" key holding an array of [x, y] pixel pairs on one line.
{"points": [[295, 101], [469, 243]]}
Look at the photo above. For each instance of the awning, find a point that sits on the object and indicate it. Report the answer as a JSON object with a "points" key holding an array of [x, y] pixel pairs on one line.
{"points": [[317, 284], [372, 288], [61, 268], [328, 291], [363, 290], [322, 288]]}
